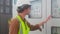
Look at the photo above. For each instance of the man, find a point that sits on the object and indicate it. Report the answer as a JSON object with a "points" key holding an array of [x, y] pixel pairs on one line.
{"points": [[19, 25]]}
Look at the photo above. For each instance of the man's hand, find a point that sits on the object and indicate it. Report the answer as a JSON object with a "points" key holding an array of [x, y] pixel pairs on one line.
{"points": [[39, 28], [45, 21], [48, 18]]}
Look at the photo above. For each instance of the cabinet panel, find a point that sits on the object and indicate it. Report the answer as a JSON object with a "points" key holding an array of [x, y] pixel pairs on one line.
{"points": [[7, 10], [36, 9], [55, 8], [1, 9], [1, 1], [8, 2]]}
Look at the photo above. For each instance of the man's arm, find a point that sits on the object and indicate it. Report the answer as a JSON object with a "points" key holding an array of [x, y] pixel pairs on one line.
{"points": [[37, 26], [14, 25]]}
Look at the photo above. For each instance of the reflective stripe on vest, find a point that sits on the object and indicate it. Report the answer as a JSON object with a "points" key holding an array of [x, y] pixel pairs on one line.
{"points": [[23, 29]]}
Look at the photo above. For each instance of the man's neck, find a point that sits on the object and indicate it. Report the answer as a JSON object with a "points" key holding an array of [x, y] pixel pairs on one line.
{"points": [[22, 15]]}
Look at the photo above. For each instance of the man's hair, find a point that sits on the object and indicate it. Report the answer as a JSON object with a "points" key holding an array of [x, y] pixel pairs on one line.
{"points": [[20, 9]]}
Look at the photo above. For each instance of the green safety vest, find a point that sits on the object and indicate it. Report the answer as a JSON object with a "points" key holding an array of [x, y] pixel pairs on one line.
{"points": [[23, 29]]}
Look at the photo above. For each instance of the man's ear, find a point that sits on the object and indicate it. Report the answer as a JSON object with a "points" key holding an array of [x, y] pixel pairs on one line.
{"points": [[25, 10]]}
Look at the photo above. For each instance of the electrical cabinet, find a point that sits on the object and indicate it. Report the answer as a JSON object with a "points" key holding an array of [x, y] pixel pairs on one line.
{"points": [[5, 15], [53, 9]]}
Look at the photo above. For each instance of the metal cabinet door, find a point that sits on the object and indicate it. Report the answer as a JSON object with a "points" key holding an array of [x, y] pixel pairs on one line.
{"points": [[53, 10], [5, 15]]}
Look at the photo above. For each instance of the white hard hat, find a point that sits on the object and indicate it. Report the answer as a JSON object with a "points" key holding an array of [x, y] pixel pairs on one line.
{"points": [[21, 2]]}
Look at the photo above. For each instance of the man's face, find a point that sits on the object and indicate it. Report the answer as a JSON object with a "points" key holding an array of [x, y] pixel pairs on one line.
{"points": [[28, 11]]}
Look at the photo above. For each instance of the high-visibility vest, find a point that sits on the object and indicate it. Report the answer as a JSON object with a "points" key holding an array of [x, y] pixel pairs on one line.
{"points": [[23, 29]]}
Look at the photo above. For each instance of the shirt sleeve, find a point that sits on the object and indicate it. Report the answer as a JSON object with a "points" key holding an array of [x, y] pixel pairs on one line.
{"points": [[14, 26], [33, 27]]}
